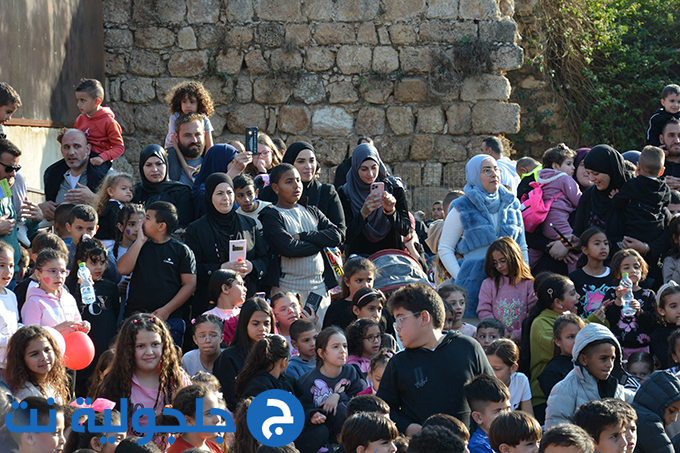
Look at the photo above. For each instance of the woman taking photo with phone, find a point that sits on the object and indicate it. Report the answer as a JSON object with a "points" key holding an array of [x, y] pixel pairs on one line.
{"points": [[376, 213]]}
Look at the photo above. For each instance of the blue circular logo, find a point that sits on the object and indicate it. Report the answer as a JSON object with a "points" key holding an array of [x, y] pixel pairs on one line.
{"points": [[275, 418]]}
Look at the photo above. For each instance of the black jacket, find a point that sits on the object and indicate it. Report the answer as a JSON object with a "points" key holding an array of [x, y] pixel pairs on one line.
{"points": [[656, 123], [556, 370], [282, 243], [54, 175], [644, 202], [659, 391], [227, 366], [265, 381]]}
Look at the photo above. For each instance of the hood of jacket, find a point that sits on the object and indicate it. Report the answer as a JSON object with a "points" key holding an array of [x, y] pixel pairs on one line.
{"points": [[591, 333], [549, 175], [660, 390]]}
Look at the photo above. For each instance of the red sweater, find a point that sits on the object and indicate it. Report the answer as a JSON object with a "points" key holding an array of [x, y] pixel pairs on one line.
{"points": [[104, 134]]}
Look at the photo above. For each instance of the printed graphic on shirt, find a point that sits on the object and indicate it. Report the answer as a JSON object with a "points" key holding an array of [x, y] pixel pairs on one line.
{"points": [[322, 391], [421, 380], [508, 312], [592, 299]]}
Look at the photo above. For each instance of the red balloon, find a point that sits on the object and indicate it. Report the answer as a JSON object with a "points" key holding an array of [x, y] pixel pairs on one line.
{"points": [[79, 351]]}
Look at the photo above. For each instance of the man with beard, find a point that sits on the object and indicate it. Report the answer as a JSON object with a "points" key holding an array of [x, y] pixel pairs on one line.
{"points": [[670, 143], [190, 136]]}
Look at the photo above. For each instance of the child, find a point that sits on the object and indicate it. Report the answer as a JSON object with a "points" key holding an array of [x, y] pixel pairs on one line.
{"points": [[367, 432], [508, 293], [61, 218], [228, 292], [488, 331], [265, 368], [189, 97], [363, 343], [566, 438], [674, 206], [100, 370], [640, 365], [657, 403], [35, 366], [146, 368], [432, 367], [104, 134], [451, 423], [9, 311], [10, 101], [377, 368], [245, 195], [527, 169], [358, 273], [668, 306], [367, 403], [670, 101], [49, 304], [114, 193], [671, 263], [604, 423], [644, 199], [488, 397], [332, 383], [565, 329], [633, 332], [303, 339], [131, 445], [82, 220], [596, 354], [255, 322], [503, 356], [436, 439], [630, 419], [594, 279], [103, 313], [515, 432], [286, 308], [164, 276], [92, 439], [208, 334], [42, 442], [455, 296], [128, 219], [298, 235]]}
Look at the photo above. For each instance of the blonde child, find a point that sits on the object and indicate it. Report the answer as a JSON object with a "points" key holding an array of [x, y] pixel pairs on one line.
{"points": [[9, 311], [114, 193], [358, 273], [363, 343], [208, 335], [503, 356], [508, 293], [455, 296], [668, 307], [146, 368], [378, 364], [189, 97], [593, 279], [671, 264], [565, 330], [35, 365]]}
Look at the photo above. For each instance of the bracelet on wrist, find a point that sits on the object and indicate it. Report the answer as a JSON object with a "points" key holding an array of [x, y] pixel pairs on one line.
{"points": [[391, 212]]}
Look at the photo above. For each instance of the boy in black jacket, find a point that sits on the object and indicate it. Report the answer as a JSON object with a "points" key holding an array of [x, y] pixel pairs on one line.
{"points": [[427, 377], [670, 100]]}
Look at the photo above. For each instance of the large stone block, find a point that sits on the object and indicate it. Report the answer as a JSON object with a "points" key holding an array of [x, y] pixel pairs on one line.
{"points": [[117, 11], [164, 86], [160, 11], [377, 91], [370, 122], [244, 116], [432, 174], [281, 60], [293, 119], [270, 34], [341, 10], [112, 89], [354, 59], [298, 34], [342, 93], [454, 175], [203, 11], [506, 58], [271, 91], [504, 30], [400, 120], [330, 151], [145, 63], [132, 150], [319, 59], [485, 87], [415, 59], [442, 9], [478, 10], [421, 147], [410, 172], [187, 64], [393, 149], [448, 150], [138, 91], [244, 89], [152, 119], [489, 117], [425, 195], [459, 117], [154, 38], [218, 121], [222, 90], [230, 62], [332, 122], [385, 59], [186, 38], [256, 63], [331, 34], [396, 10], [114, 64], [125, 115], [366, 34], [401, 34], [278, 10], [208, 36], [431, 120], [239, 10], [114, 37], [310, 90], [411, 90], [447, 32], [240, 37]]}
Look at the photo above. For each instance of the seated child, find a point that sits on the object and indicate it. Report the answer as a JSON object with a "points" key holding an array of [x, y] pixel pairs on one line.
{"points": [[131, 445], [451, 423], [227, 291], [303, 338], [82, 220], [456, 296], [245, 195], [503, 356], [488, 331], [367, 432], [61, 218], [566, 438], [363, 343], [596, 354], [377, 368], [670, 97], [630, 419], [515, 432], [488, 397], [367, 403], [41, 442], [208, 335], [436, 439], [604, 423], [103, 132], [657, 403], [113, 194], [640, 365], [645, 199], [564, 333]]}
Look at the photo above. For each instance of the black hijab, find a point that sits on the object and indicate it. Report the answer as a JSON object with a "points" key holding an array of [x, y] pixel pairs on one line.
{"points": [[224, 226], [312, 188], [158, 187]]}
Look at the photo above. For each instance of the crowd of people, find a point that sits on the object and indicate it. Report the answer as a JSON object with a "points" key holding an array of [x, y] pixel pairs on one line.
{"points": [[547, 318]]}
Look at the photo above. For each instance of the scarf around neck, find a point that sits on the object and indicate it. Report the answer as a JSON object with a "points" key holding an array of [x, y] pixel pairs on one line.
{"points": [[474, 188]]}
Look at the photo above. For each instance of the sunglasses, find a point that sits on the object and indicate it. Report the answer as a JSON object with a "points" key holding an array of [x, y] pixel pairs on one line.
{"points": [[11, 168]]}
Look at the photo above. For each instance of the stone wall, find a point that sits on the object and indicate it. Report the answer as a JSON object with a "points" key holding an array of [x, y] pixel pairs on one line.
{"points": [[327, 71]]}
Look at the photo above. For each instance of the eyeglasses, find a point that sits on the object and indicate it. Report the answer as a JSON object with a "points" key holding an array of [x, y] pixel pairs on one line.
{"points": [[491, 171], [55, 272], [373, 338], [202, 338], [11, 168], [397, 322]]}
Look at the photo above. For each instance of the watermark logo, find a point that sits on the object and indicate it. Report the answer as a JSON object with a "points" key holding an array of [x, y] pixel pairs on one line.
{"points": [[275, 418]]}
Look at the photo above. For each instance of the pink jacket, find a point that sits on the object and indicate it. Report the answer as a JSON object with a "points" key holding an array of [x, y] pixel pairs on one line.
{"points": [[47, 310], [510, 304], [555, 182]]}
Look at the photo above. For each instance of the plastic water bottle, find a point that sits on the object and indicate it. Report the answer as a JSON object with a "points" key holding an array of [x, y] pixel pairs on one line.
{"points": [[627, 310], [86, 289]]}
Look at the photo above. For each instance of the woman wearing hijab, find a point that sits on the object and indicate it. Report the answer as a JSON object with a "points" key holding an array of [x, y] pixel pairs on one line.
{"points": [[209, 238], [375, 221], [156, 186], [485, 213], [324, 196], [580, 172]]}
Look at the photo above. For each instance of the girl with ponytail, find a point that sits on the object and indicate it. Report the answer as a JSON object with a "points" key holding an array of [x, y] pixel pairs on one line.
{"points": [[265, 368]]}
